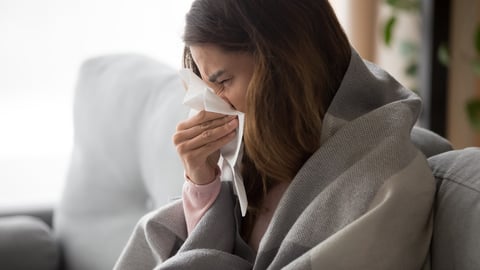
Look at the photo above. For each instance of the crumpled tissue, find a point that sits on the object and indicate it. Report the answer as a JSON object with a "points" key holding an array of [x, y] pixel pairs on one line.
{"points": [[200, 97]]}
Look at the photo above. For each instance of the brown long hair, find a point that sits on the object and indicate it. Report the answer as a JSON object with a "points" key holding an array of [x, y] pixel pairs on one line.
{"points": [[301, 54]]}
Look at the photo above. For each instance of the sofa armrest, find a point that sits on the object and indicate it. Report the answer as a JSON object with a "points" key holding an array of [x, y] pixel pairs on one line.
{"points": [[429, 143], [43, 213], [27, 243]]}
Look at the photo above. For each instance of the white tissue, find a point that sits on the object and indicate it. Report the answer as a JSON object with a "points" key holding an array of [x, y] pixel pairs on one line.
{"points": [[200, 97]]}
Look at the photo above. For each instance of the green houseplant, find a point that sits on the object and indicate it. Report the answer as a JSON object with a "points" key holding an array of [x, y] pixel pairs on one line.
{"points": [[410, 50]]}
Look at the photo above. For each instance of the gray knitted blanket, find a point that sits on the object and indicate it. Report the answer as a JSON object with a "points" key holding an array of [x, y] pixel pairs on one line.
{"points": [[362, 201]]}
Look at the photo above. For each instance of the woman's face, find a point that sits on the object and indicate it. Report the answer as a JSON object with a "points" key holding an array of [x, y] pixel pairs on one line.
{"points": [[227, 73]]}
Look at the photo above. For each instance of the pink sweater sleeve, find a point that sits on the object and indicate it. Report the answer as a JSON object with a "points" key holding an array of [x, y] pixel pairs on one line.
{"points": [[197, 199]]}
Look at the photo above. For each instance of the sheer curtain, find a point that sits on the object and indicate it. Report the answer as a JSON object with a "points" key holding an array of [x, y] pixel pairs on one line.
{"points": [[42, 44]]}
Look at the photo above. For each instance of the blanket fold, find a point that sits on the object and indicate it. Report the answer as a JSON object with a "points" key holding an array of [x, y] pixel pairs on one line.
{"points": [[363, 200]]}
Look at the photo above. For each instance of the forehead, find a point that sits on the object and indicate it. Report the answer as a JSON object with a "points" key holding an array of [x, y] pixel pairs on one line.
{"points": [[208, 57], [211, 58]]}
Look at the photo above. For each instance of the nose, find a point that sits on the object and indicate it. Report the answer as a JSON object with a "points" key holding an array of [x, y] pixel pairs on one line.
{"points": [[228, 101]]}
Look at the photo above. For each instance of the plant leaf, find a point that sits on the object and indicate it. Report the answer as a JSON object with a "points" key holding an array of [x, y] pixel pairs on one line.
{"points": [[407, 5], [442, 55], [477, 39], [473, 112], [408, 48], [412, 69], [388, 30], [476, 66], [392, 3]]}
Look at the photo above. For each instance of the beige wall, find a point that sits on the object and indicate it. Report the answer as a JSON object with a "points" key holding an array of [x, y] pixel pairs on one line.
{"points": [[363, 31], [359, 20], [462, 82]]}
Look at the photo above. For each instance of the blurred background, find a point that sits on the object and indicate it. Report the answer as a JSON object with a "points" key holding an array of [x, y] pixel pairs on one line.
{"points": [[432, 47], [42, 45]]}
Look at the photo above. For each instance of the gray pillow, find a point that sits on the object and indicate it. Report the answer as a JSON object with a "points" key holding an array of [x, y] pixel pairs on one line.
{"points": [[27, 243], [456, 233], [124, 163]]}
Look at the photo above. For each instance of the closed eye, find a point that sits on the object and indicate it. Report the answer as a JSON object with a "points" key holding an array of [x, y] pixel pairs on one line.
{"points": [[224, 81], [221, 85]]}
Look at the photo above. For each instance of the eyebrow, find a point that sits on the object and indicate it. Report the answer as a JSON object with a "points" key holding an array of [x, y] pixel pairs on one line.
{"points": [[213, 78]]}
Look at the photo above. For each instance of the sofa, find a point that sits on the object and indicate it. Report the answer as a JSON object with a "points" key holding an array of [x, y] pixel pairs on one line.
{"points": [[124, 164]]}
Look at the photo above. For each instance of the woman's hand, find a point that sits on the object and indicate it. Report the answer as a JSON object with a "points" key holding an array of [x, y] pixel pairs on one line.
{"points": [[198, 141]]}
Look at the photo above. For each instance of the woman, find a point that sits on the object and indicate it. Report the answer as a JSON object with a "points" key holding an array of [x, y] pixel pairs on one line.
{"points": [[332, 179]]}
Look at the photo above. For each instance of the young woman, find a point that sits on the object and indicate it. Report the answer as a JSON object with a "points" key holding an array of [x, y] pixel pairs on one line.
{"points": [[331, 176]]}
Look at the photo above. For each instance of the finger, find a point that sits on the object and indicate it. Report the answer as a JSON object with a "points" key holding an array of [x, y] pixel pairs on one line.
{"points": [[202, 153], [211, 135], [187, 134], [207, 137], [199, 118]]}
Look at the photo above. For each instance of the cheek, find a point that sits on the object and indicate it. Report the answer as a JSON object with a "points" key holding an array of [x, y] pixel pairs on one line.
{"points": [[238, 98]]}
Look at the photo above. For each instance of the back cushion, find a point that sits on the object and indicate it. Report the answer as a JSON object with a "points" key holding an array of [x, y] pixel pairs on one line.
{"points": [[456, 233], [123, 163]]}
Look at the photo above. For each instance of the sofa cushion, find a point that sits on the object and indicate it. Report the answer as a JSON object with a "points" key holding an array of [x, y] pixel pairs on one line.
{"points": [[456, 237], [428, 142], [123, 163], [27, 243]]}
